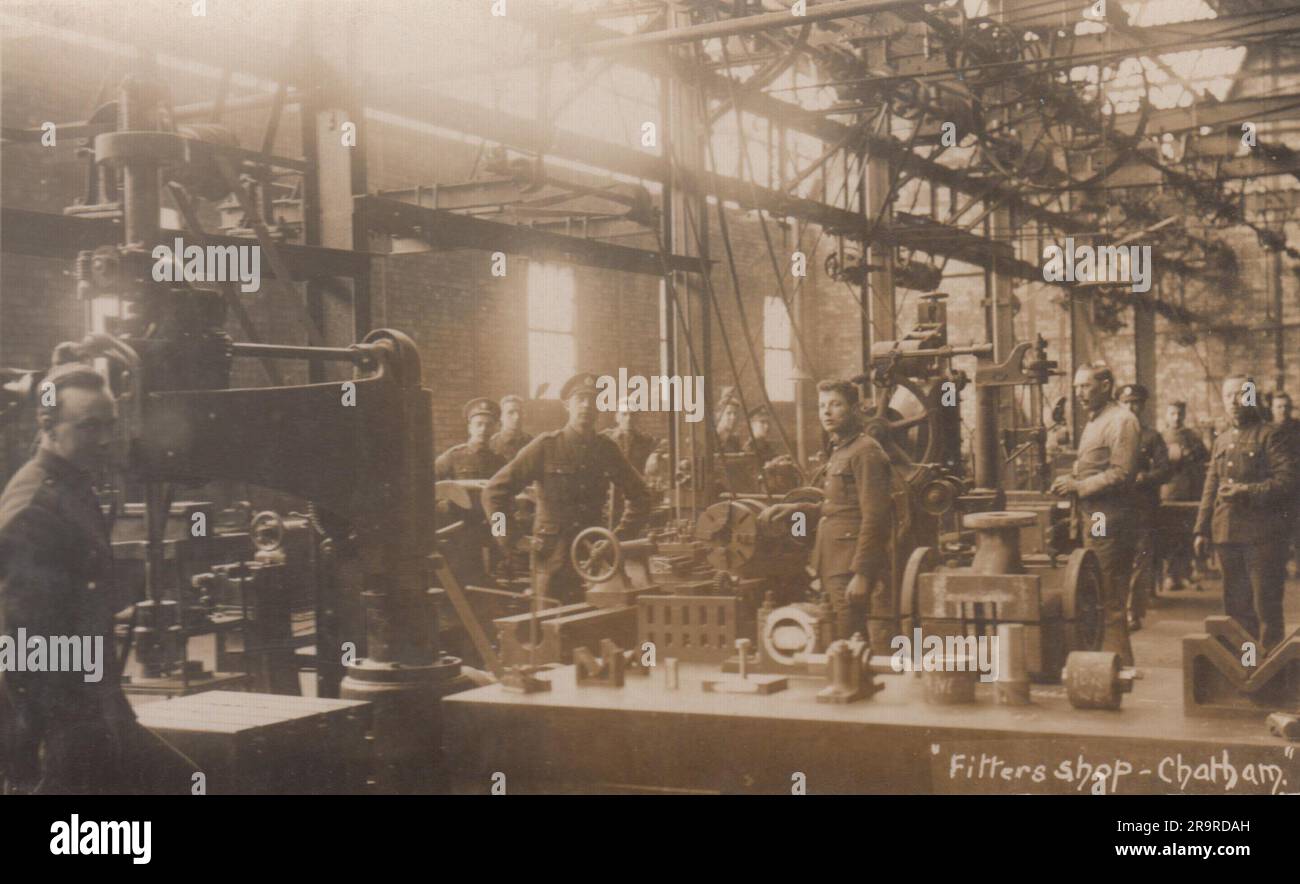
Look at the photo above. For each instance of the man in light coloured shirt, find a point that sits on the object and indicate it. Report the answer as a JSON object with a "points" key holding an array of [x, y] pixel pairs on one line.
{"points": [[1101, 483]]}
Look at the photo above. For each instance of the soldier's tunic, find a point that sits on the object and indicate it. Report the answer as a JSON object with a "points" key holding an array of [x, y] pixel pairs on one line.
{"points": [[58, 732], [1153, 470], [574, 475], [1289, 430], [763, 449], [508, 445], [1249, 531], [853, 536], [635, 446], [465, 462], [1104, 470]]}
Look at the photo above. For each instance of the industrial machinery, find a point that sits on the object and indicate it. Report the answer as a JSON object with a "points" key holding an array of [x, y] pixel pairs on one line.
{"points": [[1060, 607], [739, 544], [358, 449], [249, 607]]}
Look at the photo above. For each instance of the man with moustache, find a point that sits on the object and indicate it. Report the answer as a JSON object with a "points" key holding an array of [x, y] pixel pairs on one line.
{"points": [[1249, 487], [1101, 484], [574, 468], [59, 732], [474, 458], [851, 551]]}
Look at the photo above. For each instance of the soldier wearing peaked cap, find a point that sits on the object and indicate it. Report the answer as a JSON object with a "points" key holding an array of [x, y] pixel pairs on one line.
{"points": [[574, 468], [473, 459]]}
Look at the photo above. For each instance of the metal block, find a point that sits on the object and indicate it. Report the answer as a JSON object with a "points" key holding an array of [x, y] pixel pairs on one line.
{"points": [[560, 630], [696, 628]]}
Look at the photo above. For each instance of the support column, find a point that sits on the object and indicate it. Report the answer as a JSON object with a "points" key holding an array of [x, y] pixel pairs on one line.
{"points": [[879, 290], [1144, 352]]}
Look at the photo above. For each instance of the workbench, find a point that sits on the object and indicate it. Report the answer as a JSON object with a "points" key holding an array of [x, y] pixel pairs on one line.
{"points": [[644, 737]]}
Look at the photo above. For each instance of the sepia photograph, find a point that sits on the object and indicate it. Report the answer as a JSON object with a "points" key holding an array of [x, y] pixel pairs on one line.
{"points": [[489, 398]]}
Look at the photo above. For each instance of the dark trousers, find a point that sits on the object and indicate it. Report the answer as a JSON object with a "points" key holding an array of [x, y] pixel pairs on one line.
{"points": [[553, 573], [1142, 585], [876, 610], [1177, 556], [92, 757], [1115, 553], [1253, 583]]}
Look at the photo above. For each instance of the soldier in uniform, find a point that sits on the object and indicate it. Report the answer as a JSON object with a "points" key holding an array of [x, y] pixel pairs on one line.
{"points": [[851, 551], [1153, 470], [574, 467], [69, 732], [760, 425], [511, 438], [1101, 484], [1187, 458], [472, 459], [1250, 486], [635, 445], [1289, 428], [728, 422]]}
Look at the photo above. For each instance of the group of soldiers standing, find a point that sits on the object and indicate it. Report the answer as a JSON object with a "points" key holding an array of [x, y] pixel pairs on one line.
{"points": [[1248, 487]]}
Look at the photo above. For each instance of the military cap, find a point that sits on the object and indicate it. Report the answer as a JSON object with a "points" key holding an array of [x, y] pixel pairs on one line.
{"points": [[728, 396], [759, 411], [583, 380], [482, 405], [1133, 391]]}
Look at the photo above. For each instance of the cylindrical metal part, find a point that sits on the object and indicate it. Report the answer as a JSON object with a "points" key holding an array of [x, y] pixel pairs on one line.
{"points": [[843, 665], [987, 456], [997, 546], [1092, 680], [1012, 688]]}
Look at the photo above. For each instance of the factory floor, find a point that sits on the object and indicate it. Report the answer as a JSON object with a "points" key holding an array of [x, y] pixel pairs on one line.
{"points": [[1173, 615]]}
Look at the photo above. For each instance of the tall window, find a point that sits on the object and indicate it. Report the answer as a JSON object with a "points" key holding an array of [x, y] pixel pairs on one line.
{"points": [[550, 326], [778, 354]]}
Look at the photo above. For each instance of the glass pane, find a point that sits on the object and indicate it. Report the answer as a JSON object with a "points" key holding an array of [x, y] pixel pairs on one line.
{"points": [[550, 297], [550, 361], [776, 323], [779, 374]]}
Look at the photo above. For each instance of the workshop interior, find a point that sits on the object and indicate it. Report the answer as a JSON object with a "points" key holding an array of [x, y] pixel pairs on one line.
{"points": [[489, 397]]}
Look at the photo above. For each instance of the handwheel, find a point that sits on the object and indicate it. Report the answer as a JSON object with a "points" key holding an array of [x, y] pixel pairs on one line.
{"points": [[596, 554], [1082, 601], [914, 435]]}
